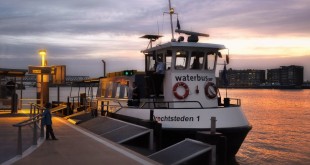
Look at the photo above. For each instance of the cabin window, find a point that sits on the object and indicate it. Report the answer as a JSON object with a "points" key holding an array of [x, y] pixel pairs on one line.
{"points": [[110, 89], [196, 60], [210, 63], [150, 62], [118, 90], [181, 60], [168, 59], [103, 89], [126, 88], [160, 56]]}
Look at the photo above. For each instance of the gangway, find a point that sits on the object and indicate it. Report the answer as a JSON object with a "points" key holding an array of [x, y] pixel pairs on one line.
{"points": [[116, 130], [188, 151], [79, 117], [58, 108]]}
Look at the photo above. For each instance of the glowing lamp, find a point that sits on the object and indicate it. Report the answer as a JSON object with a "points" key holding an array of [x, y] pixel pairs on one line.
{"points": [[42, 53]]}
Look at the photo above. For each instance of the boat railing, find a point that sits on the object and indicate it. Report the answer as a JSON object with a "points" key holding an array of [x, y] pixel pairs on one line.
{"points": [[105, 106], [78, 102], [92, 103], [169, 104], [236, 102]]}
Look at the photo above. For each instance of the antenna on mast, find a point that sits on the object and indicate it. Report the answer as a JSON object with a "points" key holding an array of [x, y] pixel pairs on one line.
{"points": [[151, 39], [171, 12]]}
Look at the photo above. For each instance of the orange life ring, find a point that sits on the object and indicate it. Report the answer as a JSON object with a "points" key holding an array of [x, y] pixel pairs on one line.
{"points": [[211, 93], [182, 84]]}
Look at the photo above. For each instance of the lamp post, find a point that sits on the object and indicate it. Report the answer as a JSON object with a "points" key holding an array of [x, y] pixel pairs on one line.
{"points": [[42, 53], [42, 80]]}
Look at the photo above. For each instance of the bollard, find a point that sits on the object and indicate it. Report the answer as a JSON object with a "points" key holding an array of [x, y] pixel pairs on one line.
{"points": [[68, 106], [42, 129], [31, 106], [107, 114], [72, 105], [158, 136], [85, 104], [151, 115], [19, 141], [34, 138], [42, 126], [102, 108], [226, 102], [219, 141], [219, 101], [213, 125]]}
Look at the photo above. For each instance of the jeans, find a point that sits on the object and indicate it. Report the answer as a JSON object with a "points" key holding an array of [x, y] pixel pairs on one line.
{"points": [[49, 131]]}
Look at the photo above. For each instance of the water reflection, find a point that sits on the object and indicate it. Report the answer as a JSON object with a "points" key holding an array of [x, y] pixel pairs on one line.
{"points": [[281, 127]]}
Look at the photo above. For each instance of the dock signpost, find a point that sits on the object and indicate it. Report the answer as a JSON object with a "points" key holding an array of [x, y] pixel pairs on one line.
{"points": [[43, 72]]}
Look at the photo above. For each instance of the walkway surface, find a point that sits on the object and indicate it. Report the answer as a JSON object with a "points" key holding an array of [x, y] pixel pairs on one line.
{"points": [[75, 146], [8, 135]]}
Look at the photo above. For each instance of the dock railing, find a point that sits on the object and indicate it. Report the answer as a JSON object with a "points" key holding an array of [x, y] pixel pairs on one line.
{"points": [[5, 104], [35, 116], [26, 102]]}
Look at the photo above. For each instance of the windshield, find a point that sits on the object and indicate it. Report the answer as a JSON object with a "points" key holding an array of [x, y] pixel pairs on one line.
{"points": [[196, 60], [181, 60], [210, 63]]}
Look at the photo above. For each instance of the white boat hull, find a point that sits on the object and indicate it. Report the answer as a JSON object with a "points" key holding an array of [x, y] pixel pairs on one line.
{"points": [[228, 117], [178, 124]]}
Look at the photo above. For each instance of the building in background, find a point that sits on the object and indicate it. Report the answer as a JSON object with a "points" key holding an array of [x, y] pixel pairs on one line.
{"points": [[244, 78], [286, 76]]}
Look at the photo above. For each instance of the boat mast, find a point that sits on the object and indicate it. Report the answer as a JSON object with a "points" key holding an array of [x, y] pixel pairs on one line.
{"points": [[171, 11]]}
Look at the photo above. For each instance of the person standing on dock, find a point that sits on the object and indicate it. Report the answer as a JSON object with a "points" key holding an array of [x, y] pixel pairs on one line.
{"points": [[47, 121], [159, 76], [135, 95]]}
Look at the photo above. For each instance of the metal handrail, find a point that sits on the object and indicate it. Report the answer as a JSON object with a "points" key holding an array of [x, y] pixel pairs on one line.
{"points": [[78, 99], [117, 101], [25, 99], [108, 105], [170, 102], [33, 120], [29, 121], [238, 101]]}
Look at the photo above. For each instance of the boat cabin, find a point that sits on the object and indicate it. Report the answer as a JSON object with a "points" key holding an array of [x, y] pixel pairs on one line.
{"points": [[189, 71], [188, 75]]}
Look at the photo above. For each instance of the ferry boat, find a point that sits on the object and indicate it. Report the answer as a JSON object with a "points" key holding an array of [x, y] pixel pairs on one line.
{"points": [[183, 98]]}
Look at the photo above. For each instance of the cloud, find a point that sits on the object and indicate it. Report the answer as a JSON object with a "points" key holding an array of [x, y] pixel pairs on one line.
{"points": [[262, 18], [97, 29], [93, 17]]}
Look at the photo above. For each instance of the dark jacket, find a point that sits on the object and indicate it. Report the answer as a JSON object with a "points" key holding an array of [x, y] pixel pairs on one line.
{"points": [[47, 117], [136, 93]]}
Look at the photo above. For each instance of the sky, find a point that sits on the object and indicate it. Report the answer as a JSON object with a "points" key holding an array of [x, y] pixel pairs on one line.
{"points": [[262, 34]]}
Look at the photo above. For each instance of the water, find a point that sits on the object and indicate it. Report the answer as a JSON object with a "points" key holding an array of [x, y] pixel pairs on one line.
{"points": [[280, 120], [281, 128]]}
